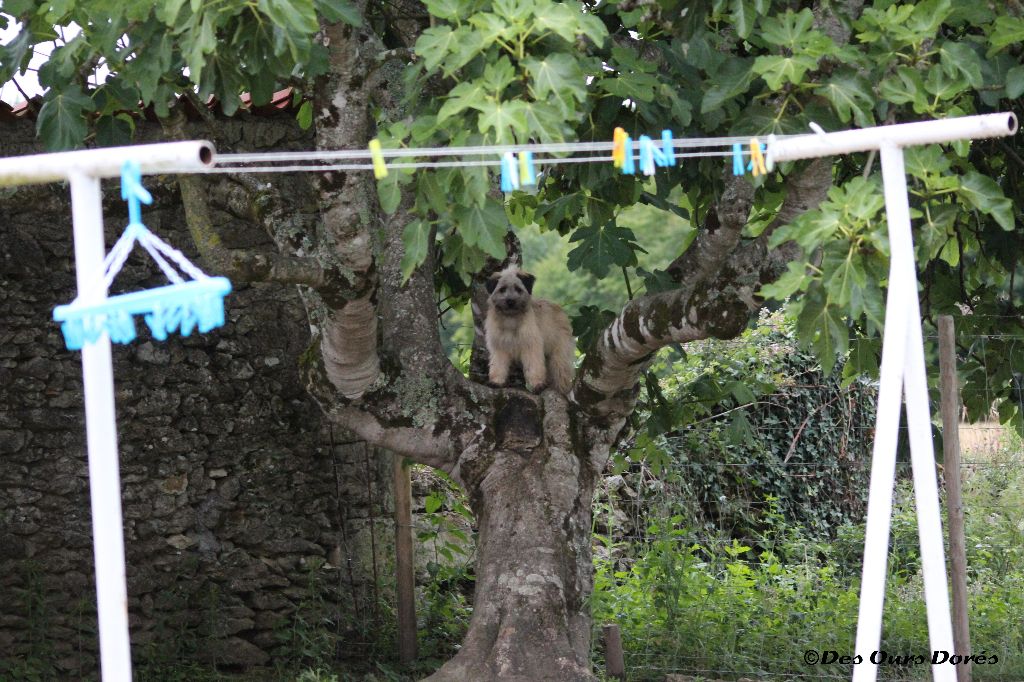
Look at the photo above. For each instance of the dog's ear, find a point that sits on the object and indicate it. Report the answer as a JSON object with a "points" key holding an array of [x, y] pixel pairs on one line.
{"points": [[492, 282], [527, 279]]}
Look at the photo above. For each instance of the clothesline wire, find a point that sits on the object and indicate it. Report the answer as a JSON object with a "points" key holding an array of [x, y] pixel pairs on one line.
{"points": [[454, 163], [485, 150]]}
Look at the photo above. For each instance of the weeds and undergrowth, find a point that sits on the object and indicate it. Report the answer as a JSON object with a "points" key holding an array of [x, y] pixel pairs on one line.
{"points": [[730, 540], [726, 610], [728, 423], [444, 602]]}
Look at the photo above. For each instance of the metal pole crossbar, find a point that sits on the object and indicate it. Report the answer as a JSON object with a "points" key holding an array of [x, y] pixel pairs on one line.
{"points": [[902, 375]]}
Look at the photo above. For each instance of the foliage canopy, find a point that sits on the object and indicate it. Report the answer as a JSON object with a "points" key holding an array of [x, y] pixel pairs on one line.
{"points": [[517, 71]]}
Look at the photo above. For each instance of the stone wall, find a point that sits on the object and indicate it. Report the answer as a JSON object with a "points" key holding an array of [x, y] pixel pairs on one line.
{"points": [[246, 517]]}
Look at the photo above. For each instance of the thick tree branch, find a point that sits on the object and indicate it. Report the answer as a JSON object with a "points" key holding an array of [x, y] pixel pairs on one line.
{"points": [[381, 349], [720, 276], [408, 309], [415, 443], [382, 417], [805, 190], [348, 212], [828, 17], [408, 398], [606, 384], [719, 236], [241, 265]]}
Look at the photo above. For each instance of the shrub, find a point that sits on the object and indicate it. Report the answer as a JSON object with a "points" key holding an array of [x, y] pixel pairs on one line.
{"points": [[730, 424]]}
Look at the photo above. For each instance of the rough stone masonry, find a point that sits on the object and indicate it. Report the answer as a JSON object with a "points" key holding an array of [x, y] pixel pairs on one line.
{"points": [[241, 518]]}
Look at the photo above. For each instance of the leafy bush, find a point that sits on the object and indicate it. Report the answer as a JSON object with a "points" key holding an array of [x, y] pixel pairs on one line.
{"points": [[720, 608], [686, 606], [444, 602], [730, 424]]}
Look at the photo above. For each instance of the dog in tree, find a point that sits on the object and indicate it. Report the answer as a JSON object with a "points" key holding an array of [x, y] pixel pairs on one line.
{"points": [[532, 332]]}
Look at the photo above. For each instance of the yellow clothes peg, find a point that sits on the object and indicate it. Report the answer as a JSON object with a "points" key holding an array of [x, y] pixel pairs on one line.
{"points": [[619, 147], [757, 158], [380, 169]]}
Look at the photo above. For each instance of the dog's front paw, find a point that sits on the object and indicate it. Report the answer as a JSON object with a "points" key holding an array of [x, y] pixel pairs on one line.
{"points": [[539, 388]]}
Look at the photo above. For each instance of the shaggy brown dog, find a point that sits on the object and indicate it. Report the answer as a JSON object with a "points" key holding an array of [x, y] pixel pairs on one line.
{"points": [[533, 332]]}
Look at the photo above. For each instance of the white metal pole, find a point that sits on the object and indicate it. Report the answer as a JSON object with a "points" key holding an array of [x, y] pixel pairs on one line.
{"points": [[919, 419], [883, 461], [905, 335], [84, 169], [902, 135], [903, 367], [101, 438], [926, 498], [105, 162]]}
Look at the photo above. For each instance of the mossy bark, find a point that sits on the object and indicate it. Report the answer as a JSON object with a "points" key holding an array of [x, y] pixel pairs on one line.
{"points": [[532, 500]]}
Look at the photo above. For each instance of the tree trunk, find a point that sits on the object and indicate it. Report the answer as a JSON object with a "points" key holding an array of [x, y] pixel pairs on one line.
{"points": [[532, 497]]}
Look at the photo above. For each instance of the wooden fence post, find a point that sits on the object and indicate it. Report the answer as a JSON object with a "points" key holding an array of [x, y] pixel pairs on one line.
{"points": [[950, 407], [404, 571], [614, 662]]}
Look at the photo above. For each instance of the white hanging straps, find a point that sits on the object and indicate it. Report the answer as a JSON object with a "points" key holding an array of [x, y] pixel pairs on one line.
{"points": [[157, 249]]}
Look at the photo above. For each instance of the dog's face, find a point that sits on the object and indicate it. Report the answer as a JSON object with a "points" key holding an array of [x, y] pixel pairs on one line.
{"points": [[510, 291]]}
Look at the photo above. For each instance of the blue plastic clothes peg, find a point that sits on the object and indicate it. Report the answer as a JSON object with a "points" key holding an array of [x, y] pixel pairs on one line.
{"points": [[628, 165], [509, 173], [650, 156], [738, 164], [667, 149]]}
